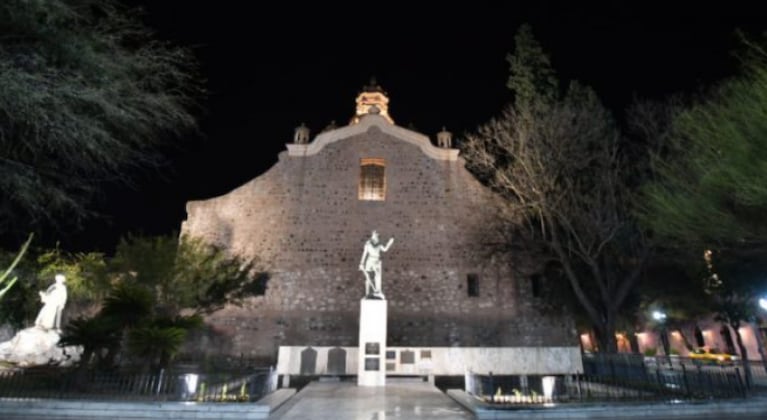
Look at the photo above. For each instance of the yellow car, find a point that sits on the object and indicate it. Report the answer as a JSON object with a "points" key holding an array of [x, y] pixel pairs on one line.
{"points": [[705, 356]]}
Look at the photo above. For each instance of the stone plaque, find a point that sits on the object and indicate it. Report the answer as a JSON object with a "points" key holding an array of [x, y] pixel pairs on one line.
{"points": [[391, 355], [372, 363], [372, 348], [337, 361], [308, 361], [407, 357], [425, 354]]}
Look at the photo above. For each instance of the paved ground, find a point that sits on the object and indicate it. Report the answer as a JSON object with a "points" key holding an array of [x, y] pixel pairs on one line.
{"points": [[419, 400], [398, 400], [346, 401]]}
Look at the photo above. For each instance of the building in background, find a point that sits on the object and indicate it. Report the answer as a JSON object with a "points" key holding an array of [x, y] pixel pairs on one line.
{"points": [[307, 218]]}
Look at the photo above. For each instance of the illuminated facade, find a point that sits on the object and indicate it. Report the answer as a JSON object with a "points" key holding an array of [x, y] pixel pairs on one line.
{"points": [[306, 218]]}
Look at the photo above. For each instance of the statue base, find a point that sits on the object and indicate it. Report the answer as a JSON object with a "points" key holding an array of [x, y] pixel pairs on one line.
{"points": [[371, 364], [36, 346], [375, 296]]}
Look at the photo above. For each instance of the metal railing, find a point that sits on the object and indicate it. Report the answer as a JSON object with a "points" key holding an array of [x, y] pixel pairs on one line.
{"points": [[610, 377], [165, 385]]}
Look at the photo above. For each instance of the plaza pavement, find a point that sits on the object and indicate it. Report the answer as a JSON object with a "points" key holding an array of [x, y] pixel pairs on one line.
{"points": [[347, 401], [420, 400], [400, 399]]}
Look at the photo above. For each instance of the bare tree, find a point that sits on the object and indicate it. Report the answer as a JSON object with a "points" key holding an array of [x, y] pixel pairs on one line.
{"points": [[561, 166]]}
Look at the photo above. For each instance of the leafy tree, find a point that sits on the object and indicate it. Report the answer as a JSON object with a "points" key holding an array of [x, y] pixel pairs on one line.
{"points": [[87, 282], [185, 273], [128, 305], [156, 344], [709, 191], [89, 95], [160, 287], [531, 79], [6, 281], [86, 272], [559, 161], [94, 335]]}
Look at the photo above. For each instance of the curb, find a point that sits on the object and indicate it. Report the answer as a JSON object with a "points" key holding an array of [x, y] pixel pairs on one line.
{"points": [[712, 409]]}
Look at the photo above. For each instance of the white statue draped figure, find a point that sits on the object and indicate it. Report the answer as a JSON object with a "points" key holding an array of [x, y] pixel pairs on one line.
{"points": [[53, 299], [371, 264]]}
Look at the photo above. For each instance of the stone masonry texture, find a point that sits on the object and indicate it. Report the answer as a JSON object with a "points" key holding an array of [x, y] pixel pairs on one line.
{"points": [[303, 221]]}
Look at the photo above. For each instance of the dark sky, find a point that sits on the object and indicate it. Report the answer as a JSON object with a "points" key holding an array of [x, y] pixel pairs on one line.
{"points": [[272, 66]]}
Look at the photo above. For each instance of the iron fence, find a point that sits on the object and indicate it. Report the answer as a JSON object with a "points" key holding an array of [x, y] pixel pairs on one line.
{"points": [[612, 378], [164, 385]]}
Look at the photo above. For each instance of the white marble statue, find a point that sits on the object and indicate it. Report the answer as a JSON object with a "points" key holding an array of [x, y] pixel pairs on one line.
{"points": [[371, 264], [38, 345], [53, 299]]}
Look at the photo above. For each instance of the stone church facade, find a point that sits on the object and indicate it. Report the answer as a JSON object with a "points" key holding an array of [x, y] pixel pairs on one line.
{"points": [[307, 218]]}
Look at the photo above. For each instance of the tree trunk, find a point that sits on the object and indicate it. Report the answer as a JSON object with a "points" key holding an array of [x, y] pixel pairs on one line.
{"points": [[743, 354], [606, 335], [633, 340], [760, 343], [687, 344]]}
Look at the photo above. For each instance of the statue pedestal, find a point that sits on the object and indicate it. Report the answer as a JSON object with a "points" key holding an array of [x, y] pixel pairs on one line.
{"points": [[371, 365]]}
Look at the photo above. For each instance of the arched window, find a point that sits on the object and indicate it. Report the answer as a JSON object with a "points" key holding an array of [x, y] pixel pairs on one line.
{"points": [[372, 179]]}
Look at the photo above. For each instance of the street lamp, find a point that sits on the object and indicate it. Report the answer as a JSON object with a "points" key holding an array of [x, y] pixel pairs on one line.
{"points": [[758, 333], [660, 317]]}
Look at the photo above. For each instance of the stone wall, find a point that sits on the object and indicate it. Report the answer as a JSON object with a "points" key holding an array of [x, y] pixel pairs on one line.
{"points": [[302, 219]]}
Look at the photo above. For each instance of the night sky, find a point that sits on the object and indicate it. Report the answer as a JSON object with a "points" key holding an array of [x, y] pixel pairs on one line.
{"points": [[271, 68]]}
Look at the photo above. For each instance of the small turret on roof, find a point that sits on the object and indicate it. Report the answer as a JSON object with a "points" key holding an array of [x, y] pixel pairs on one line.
{"points": [[372, 100]]}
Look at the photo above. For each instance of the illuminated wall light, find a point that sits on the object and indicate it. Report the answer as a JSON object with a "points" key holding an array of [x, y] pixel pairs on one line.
{"points": [[745, 334]]}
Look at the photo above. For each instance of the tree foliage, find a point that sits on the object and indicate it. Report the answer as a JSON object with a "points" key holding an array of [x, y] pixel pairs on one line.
{"points": [[160, 287], [559, 161], [87, 282], [6, 281], [94, 335], [88, 95], [531, 78], [185, 272], [156, 343], [709, 191], [708, 195]]}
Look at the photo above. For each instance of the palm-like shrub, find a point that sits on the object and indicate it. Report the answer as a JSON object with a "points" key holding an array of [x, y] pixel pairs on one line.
{"points": [[93, 334], [157, 344]]}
